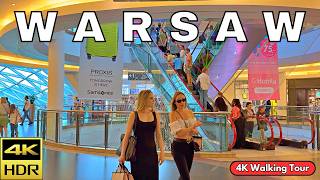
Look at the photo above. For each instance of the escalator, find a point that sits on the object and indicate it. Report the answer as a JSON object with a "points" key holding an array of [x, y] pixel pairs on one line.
{"points": [[165, 79]]}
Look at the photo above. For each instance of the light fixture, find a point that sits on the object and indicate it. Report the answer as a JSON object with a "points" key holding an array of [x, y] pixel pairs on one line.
{"points": [[13, 4]]}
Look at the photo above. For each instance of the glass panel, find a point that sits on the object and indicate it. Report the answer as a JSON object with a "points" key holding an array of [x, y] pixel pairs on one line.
{"points": [[7, 70], [26, 83], [34, 77], [24, 72]]}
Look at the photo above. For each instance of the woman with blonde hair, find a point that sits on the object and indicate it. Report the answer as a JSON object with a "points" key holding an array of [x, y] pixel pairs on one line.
{"points": [[183, 126], [145, 123]]}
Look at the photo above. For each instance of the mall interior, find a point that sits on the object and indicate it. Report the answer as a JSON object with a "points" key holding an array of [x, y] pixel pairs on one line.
{"points": [[81, 131]]}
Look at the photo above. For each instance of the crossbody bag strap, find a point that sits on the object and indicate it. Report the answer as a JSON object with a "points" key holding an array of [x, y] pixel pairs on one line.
{"points": [[185, 124]]}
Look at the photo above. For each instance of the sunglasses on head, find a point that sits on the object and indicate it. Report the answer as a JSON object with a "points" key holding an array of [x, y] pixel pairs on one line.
{"points": [[181, 100]]}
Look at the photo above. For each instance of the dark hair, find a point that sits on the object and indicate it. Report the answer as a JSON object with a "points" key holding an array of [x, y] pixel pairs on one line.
{"points": [[26, 97], [236, 102], [220, 104], [173, 101], [12, 108], [188, 49], [248, 103]]}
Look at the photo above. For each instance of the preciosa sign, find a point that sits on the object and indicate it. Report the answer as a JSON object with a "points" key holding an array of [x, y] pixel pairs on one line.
{"points": [[180, 21]]}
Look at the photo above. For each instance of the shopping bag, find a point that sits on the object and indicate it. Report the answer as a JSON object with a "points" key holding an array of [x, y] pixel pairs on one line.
{"points": [[122, 173]]}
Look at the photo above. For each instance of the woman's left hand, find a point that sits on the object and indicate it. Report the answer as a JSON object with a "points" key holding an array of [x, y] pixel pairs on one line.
{"points": [[161, 158]]}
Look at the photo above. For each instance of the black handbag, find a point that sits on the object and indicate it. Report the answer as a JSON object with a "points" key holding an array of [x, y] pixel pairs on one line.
{"points": [[132, 141], [196, 139]]}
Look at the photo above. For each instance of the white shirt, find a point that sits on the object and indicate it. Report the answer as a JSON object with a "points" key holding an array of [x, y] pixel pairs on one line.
{"points": [[180, 124], [204, 81]]}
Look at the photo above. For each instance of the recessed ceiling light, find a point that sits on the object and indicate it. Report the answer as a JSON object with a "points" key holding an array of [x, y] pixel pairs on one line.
{"points": [[13, 4]]}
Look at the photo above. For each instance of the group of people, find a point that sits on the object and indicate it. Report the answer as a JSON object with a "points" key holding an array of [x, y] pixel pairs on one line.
{"points": [[145, 124], [9, 114], [244, 119]]}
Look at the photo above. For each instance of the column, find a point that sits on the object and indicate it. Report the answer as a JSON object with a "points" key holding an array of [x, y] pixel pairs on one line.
{"points": [[55, 82]]}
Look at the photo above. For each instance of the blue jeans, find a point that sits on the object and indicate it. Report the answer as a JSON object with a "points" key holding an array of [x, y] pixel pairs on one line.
{"points": [[26, 115], [204, 98]]}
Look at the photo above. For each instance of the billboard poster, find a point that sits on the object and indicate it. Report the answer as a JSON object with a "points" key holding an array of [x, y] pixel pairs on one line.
{"points": [[100, 78], [263, 73]]}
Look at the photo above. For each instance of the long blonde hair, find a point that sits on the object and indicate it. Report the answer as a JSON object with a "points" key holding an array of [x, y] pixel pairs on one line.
{"points": [[173, 101], [142, 100]]}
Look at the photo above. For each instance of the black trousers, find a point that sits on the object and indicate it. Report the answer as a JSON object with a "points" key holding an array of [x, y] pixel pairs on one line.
{"points": [[182, 153], [241, 136]]}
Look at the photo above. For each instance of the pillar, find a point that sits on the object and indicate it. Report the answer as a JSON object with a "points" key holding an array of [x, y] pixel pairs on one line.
{"points": [[55, 82]]}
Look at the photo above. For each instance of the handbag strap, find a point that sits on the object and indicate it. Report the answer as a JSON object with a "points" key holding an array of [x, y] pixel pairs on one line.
{"points": [[135, 122], [185, 124]]}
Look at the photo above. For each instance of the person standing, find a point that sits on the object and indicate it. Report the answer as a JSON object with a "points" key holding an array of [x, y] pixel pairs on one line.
{"points": [[238, 119], [26, 110], [262, 125], [220, 105], [13, 117], [4, 110], [249, 117], [188, 66], [145, 123], [183, 125], [204, 80]]}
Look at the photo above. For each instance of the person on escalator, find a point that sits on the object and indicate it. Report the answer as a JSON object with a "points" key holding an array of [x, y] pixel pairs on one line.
{"points": [[183, 58], [238, 119], [188, 66], [204, 81], [178, 66], [162, 43], [173, 47], [262, 125]]}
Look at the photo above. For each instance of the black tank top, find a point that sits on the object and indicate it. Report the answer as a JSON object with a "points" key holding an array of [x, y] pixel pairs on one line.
{"points": [[144, 132]]}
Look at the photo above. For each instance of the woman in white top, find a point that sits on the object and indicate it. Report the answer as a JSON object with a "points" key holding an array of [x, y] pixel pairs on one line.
{"points": [[183, 125]]}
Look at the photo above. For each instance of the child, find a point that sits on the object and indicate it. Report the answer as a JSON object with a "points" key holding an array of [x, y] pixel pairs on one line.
{"points": [[13, 117], [262, 126]]}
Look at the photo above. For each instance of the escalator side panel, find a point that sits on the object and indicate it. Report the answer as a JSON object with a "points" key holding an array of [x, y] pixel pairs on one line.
{"points": [[231, 57]]}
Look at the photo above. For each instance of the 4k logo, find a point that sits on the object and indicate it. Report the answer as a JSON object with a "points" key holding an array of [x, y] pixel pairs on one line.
{"points": [[15, 149], [21, 158]]}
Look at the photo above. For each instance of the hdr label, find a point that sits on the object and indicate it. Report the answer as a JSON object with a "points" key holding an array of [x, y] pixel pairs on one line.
{"points": [[21, 158]]}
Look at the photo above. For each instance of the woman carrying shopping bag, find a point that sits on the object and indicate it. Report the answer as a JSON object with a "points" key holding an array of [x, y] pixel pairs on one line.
{"points": [[145, 124]]}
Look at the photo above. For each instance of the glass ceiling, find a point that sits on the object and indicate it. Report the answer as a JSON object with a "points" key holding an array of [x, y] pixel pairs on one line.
{"points": [[17, 82]]}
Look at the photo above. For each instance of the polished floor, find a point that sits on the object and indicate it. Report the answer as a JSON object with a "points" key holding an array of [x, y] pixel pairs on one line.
{"points": [[73, 166]]}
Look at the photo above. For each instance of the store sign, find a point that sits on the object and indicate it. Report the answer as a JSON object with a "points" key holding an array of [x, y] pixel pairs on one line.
{"points": [[263, 72], [137, 76], [100, 78]]}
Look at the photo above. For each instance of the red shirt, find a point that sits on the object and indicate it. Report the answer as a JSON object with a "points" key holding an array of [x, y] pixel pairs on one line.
{"points": [[235, 113]]}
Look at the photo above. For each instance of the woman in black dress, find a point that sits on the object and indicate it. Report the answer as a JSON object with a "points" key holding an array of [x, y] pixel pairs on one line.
{"points": [[147, 124]]}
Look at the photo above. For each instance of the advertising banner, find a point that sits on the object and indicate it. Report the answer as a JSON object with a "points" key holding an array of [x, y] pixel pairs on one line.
{"points": [[263, 74], [100, 78]]}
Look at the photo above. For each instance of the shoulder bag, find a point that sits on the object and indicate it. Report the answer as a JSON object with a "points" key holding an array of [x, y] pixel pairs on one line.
{"points": [[132, 141]]}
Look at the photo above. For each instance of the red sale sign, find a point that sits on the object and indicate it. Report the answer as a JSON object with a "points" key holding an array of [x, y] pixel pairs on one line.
{"points": [[263, 72]]}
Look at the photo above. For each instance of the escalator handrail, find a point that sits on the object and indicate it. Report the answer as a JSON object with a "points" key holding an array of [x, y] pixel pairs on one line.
{"points": [[280, 130], [201, 36], [176, 74], [215, 87], [233, 126], [187, 86], [313, 131], [271, 129]]}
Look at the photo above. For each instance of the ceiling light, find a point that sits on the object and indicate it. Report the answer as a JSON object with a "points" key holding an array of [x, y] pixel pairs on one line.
{"points": [[13, 4]]}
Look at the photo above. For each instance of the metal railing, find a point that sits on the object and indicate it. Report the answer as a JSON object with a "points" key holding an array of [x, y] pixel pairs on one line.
{"points": [[102, 129]]}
